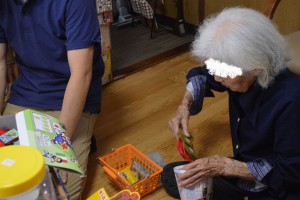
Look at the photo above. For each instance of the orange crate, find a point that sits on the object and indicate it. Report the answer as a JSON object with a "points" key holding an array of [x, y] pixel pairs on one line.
{"points": [[123, 157]]}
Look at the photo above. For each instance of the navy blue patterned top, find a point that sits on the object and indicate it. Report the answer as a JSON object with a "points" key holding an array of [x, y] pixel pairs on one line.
{"points": [[265, 129]]}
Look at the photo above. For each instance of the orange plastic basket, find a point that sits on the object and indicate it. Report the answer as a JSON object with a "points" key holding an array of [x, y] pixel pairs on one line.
{"points": [[123, 157]]}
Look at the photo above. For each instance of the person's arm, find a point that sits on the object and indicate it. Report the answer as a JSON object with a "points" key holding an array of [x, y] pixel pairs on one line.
{"points": [[80, 62], [2, 73], [181, 118], [191, 102], [214, 166], [82, 33], [278, 172], [199, 86]]}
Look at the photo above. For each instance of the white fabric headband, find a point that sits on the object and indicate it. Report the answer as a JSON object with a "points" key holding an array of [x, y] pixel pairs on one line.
{"points": [[222, 69]]}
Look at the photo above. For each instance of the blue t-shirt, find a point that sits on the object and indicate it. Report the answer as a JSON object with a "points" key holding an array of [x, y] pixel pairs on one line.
{"points": [[41, 32]]}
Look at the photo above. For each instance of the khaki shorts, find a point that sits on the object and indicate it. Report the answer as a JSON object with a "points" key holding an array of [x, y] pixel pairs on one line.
{"points": [[81, 140]]}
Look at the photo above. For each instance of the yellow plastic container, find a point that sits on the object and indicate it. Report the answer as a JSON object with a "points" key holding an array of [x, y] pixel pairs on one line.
{"points": [[23, 174]]}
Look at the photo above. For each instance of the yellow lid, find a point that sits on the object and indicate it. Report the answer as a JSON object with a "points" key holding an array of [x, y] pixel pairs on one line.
{"points": [[21, 168]]}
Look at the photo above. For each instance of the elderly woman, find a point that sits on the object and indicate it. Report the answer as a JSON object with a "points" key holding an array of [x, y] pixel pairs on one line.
{"points": [[247, 57]]}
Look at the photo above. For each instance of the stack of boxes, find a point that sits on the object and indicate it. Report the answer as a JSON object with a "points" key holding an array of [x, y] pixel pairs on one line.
{"points": [[105, 17]]}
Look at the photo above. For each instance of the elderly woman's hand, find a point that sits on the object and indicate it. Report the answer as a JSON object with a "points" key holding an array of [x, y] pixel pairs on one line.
{"points": [[212, 166], [181, 118], [201, 169]]}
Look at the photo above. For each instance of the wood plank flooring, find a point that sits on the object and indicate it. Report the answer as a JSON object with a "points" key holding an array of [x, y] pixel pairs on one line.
{"points": [[136, 110]]}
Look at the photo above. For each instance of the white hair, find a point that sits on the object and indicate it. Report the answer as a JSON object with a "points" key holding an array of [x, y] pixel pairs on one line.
{"points": [[245, 38]]}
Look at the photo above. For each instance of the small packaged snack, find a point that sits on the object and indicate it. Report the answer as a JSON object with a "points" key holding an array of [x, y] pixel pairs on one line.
{"points": [[185, 147], [131, 177], [8, 137]]}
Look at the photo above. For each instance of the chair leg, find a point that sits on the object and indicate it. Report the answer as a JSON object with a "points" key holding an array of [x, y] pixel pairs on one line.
{"points": [[154, 27], [132, 14], [153, 21]]}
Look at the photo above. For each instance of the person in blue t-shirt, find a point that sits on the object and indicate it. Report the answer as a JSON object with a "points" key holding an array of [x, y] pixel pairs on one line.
{"points": [[246, 57], [58, 51]]}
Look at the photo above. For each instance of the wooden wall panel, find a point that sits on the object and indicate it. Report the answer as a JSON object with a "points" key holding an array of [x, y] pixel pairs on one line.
{"points": [[170, 9], [191, 11], [214, 6], [190, 7], [286, 16]]}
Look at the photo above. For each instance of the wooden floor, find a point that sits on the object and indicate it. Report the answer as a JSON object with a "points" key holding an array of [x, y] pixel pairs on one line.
{"points": [[136, 110]]}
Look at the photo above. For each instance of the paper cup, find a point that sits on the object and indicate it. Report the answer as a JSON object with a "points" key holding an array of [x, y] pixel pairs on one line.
{"points": [[200, 191]]}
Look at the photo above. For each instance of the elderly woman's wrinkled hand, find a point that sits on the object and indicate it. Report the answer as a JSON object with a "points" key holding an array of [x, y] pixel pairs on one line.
{"points": [[180, 120], [203, 168]]}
